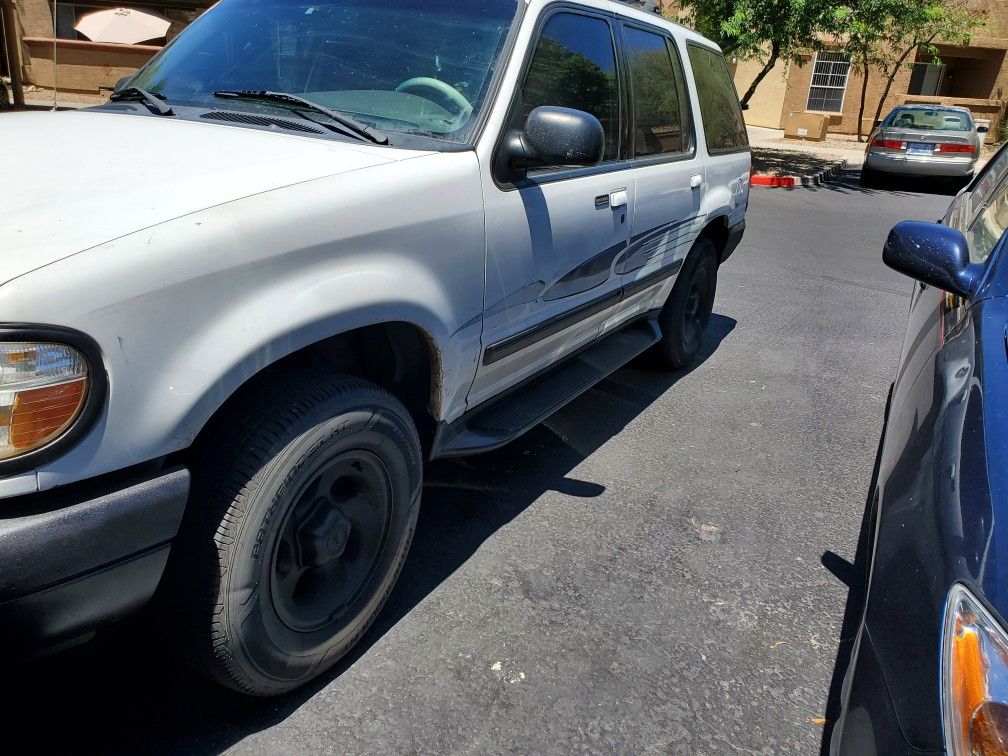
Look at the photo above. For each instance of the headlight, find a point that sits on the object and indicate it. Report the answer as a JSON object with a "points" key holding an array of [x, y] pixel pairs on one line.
{"points": [[43, 390], [974, 678]]}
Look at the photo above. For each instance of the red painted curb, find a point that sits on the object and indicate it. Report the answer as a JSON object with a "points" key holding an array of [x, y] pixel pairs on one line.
{"points": [[766, 179]]}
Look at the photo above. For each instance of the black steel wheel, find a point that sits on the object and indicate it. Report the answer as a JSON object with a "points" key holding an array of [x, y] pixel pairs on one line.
{"points": [[687, 312], [302, 513], [330, 540]]}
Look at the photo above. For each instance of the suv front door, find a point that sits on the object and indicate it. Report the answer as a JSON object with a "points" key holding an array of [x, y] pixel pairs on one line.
{"points": [[554, 237]]}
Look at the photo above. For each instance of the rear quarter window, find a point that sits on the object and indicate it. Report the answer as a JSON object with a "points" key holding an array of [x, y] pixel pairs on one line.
{"points": [[724, 129]]}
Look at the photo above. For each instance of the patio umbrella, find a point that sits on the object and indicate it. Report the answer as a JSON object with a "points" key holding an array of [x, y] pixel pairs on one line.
{"points": [[123, 25]]}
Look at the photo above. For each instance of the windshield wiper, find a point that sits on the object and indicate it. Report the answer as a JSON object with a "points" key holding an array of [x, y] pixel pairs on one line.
{"points": [[142, 95], [355, 128]]}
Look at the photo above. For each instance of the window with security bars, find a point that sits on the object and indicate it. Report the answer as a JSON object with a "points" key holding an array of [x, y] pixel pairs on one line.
{"points": [[829, 81]]}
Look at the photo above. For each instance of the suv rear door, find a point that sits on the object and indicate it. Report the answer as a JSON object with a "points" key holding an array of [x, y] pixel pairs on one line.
{"points": [[667, 171], [724, 133]]}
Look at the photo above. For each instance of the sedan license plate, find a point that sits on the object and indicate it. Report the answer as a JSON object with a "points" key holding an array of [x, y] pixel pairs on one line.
{"points": [[920, 149]]}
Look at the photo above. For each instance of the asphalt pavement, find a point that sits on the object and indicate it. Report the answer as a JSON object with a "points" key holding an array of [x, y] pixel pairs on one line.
{"points": [[659, 568]]}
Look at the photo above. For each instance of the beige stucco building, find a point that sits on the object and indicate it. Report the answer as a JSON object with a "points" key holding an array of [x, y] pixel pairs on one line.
{"points": [[975, 76], [81, 65]]}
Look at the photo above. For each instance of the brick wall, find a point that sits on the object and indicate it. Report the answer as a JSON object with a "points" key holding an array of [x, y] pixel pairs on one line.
{"points": [[845, 121]]}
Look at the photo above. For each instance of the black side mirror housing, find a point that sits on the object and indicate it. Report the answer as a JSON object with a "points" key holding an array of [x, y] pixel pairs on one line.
{"points": [[983, 129], [552, 136], [932, 253]]}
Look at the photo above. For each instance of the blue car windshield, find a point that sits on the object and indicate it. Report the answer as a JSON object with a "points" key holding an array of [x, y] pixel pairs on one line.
{"points": [[411, 66]]}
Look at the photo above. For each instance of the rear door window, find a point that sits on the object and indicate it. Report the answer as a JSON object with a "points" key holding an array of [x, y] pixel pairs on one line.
{"points": [[724, 129], [658, 94]]}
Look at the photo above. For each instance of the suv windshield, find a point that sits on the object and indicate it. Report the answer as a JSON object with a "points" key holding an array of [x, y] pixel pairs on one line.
{"points": [[413, 66], [929, 119]]}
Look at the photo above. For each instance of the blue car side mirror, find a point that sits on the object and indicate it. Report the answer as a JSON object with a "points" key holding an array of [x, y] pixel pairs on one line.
{"points": [[932, 253]]}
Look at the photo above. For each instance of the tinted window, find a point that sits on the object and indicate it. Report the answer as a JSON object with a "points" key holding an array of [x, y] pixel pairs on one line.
{"points": [[574, 66], [658, 121], [987, 183], [986, 229], [719, 105]]}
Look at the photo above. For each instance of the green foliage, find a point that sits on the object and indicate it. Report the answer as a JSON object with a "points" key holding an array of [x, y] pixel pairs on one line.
{"points": [[751, 28], [879, 34], [884, 35], [866, 28]]}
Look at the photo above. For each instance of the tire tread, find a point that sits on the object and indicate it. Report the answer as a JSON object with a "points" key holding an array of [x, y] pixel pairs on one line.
{"points": [[245, 443]]}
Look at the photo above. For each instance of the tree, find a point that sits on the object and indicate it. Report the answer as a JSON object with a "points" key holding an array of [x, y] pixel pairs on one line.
{"points": [[8, 23], [883, 34], [768, 30], [919, 26], [859, 28]]}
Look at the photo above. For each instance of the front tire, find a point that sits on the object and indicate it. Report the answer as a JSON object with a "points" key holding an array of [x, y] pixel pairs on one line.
{"points": [[304, 510], [686, 314]]}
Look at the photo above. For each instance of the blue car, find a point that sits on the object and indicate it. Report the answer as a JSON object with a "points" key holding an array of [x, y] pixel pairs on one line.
{"points": [[929, 666]]}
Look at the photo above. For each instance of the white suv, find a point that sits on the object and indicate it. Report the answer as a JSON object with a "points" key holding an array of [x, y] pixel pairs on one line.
{"points": [[308, 246]]}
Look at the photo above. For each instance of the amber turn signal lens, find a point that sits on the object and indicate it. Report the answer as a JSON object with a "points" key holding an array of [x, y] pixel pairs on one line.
{"points": [[43, 389], [44, 413]]}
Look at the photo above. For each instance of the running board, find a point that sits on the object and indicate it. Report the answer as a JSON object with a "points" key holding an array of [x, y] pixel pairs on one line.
{"points": [[523, 407]]}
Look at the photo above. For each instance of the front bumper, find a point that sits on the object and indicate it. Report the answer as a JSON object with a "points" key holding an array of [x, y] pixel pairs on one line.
{"points": [[75, 558], [924, 165], [867, 723]]}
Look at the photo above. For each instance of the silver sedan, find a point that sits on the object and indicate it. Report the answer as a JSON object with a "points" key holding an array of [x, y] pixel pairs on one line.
{"points": [[924, 141]]}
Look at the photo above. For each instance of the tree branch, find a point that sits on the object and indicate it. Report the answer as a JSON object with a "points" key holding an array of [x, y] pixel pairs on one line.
{"points": [[767, 67]]}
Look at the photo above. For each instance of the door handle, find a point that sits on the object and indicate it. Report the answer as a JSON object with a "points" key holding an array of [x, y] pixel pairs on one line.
{"points": [[696, 181], [618, 198]]}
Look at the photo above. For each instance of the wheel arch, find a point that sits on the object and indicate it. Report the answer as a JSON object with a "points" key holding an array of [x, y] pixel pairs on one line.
{"points": [[401, 356], [716, 230]]}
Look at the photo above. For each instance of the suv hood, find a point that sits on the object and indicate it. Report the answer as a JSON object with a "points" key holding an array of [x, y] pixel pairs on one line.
{"points": [[74, 180]]}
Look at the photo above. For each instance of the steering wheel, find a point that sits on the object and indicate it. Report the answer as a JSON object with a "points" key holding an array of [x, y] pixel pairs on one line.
{"points": [[457, 98]]}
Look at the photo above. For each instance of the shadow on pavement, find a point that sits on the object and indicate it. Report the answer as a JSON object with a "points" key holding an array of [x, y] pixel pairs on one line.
{"points": [[788, 162], [855, 577], [126, 693], [847, 181]]}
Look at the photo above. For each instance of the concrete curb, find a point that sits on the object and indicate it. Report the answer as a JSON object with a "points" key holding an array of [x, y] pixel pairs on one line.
{"points": [[790, 182]]}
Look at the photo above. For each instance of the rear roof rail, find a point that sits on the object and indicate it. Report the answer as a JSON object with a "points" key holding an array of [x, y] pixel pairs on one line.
{"points": [[648, 6]]}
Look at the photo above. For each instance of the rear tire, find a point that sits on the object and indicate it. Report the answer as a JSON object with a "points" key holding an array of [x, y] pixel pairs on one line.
{"points": [[686, 314], [869, 178], [303, 508]]}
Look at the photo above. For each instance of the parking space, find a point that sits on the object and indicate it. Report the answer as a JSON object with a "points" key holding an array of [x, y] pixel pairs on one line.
{"points": [[643, 573]]}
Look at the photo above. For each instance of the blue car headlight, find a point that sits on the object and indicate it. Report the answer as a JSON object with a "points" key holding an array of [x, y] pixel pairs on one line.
{"points": [[974, 678]]}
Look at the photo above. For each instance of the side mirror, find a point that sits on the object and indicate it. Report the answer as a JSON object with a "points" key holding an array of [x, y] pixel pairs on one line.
{"points": [[932, 253], [877, 124], [744, 105], [552, 136], [122, 82], [983, 129]]}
